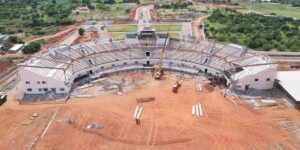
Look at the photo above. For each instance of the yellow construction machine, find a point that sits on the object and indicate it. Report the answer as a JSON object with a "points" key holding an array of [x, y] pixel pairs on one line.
{"points": [[158, 67]]}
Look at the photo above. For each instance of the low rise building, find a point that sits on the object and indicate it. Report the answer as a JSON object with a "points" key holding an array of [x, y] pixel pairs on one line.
{"points": [[15, 48]]}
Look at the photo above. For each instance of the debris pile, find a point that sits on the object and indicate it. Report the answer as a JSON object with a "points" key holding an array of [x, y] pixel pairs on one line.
{"points": [[289, 126], [145, 100], [119, 84]]}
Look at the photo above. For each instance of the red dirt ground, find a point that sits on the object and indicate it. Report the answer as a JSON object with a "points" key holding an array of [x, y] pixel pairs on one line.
{"points": [[4, 65], [286, 65], [86, 37], [133, 11], [123, 22], [166, 122]]}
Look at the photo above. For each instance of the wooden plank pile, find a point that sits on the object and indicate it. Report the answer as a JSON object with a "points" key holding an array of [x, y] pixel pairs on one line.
{"points": [[145, 100]]}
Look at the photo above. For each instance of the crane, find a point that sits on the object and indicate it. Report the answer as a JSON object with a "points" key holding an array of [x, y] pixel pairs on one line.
{"points": [[158, 67]]}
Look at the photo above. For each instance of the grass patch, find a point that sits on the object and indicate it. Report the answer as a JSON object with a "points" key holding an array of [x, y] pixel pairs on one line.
{"points": [[175, 35], [165, 27], [11, 59], [116, 36], [116, 11], [280, 9], [42, 30], [156, 1], [122, 28]]}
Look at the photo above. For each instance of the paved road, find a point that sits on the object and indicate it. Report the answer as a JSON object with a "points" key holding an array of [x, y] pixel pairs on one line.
{"points": [[143, 16], [71, 38], [186, 29]]}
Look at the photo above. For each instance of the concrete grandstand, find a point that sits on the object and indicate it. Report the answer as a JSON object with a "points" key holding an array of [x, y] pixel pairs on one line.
{"points": [[57, 70]]}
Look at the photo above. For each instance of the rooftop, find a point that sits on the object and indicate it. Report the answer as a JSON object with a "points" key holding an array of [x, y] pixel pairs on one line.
{"points": [[16, 47], [97, 52], [290, 81]]}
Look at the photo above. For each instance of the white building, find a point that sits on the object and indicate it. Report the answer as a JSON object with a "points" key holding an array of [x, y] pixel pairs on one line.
{"points": [[252, 72], [41, 80], [16, 48], [56, 70], [288, 82]]}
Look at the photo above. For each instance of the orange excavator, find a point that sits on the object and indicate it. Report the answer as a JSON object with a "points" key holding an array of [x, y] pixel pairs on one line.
{"points": [[176, 86]]}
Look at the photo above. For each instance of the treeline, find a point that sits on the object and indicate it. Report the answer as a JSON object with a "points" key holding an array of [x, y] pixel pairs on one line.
{"points": [[35, 12], [295, 3], [115, 1], [215, 1], [254, 30], [174, 5]]}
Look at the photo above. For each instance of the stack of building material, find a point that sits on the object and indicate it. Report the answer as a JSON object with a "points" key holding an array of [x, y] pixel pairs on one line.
{"points": [[268, 102], [198, 110], [95, 126], [198, 88], [137, 112], [85, 86]]}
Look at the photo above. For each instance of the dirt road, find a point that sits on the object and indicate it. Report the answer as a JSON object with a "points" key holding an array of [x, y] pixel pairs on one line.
{"points": [[199, 33], [57, 35]]}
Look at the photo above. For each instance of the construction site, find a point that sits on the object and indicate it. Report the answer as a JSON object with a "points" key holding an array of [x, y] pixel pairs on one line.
{"points": [[197, 116], [149, 90]]}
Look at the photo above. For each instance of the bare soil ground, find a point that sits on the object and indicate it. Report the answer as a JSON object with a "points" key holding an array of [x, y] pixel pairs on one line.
{"points": [[86, 37], [4, 65], [133, 12], [166, 122], [287, 65], [198, 33]]}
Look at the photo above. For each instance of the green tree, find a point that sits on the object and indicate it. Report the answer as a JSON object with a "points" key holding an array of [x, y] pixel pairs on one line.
{"points": [[81, 31], [267, 47], [15, 40], [127, 10], [32, 48]]}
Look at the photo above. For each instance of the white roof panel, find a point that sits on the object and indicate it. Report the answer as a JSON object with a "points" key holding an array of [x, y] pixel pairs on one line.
{"points": [[290, 81], [16, 47]]}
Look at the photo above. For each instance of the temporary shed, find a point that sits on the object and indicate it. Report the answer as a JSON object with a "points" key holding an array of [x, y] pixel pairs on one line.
{"points": [[16, 48]]}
